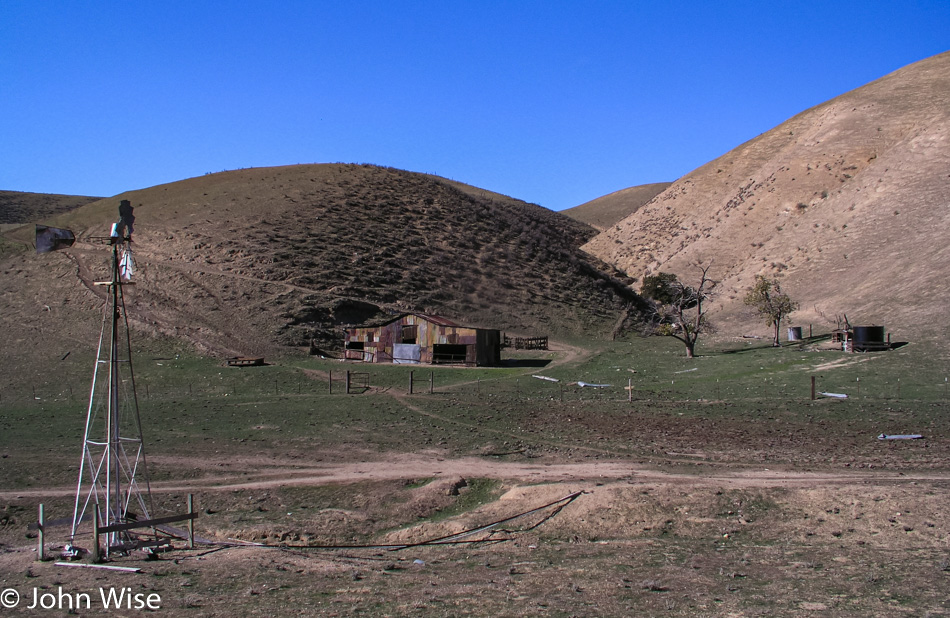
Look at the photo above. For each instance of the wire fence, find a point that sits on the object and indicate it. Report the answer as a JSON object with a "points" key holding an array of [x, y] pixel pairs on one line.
{"points": [[424, 382]]}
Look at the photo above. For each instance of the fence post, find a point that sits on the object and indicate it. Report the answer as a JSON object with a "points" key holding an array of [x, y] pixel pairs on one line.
{"points": [[95, 535], [630, 389], [410, 380], [41, 537], [431, 382], [331, 381], [191, 522], [813, 388], [347, 382]]}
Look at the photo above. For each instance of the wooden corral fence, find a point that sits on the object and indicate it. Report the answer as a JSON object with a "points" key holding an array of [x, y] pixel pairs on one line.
{"points": [[526, 343], [357, 381], [413, 379], [353, 381]]}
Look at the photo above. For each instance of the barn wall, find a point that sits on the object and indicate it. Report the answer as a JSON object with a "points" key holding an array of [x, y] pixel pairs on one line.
{"points": [[488, 347], [483, 346]]}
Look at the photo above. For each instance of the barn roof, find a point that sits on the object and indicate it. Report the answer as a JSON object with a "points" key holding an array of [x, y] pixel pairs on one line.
{"points": [[434, 319]]}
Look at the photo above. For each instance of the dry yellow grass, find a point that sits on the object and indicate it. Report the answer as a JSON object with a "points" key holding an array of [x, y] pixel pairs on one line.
{"points": [[847, 202]]}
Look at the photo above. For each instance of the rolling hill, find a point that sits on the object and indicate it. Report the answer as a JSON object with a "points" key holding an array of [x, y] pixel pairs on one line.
{"points": [[602, 212], [848, 203], [21, 207], [250, 261]]}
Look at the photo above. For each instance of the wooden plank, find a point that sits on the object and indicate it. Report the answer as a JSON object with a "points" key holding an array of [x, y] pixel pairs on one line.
{"points": [[146, 523], [55, 523], [106, 567], [245, 361]]}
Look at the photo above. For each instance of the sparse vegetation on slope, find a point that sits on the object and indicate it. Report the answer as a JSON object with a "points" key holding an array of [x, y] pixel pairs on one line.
{"points": [[846, 200], [19, 207], [244, 261], [603, 212]]}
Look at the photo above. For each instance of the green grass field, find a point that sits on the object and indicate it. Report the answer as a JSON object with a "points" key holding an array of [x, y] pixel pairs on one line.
{"points": [[738, 390], [629, 546]]}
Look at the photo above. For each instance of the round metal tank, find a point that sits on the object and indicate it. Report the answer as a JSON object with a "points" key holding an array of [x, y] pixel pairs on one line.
{"points": [[868, 338], [868, 334]]}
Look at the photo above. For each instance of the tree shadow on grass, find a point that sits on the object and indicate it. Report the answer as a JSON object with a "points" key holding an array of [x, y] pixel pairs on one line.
{"points": [[767, 344]]}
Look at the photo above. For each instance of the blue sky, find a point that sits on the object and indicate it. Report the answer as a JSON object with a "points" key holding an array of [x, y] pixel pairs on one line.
{"points": [[553, 102]]}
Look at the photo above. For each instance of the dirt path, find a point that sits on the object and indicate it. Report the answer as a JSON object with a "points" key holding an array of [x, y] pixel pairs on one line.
{"points": [[567, 353], [841, 363], [431, 465]]}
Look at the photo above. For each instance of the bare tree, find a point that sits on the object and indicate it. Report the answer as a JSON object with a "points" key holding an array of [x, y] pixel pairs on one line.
{"points": [[767, 298], [678, 309]]}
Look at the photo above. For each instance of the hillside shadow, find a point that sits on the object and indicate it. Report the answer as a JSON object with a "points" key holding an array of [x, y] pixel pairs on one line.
{"points": [[767, 344], [525, 362]]}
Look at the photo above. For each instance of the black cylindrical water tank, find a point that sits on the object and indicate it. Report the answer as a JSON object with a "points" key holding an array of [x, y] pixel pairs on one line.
{"points": [[868, 334]]}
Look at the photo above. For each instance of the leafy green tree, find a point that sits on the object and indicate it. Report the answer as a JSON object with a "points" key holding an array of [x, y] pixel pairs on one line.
{"points": [[678, 309], [770, 302], [661, 287]]}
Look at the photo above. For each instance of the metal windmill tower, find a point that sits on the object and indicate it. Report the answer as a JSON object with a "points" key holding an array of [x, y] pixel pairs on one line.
{"points": [[113, 477]]}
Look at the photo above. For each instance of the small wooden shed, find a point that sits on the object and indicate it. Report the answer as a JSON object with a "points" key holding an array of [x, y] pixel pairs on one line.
{"points": [[418, 338]]}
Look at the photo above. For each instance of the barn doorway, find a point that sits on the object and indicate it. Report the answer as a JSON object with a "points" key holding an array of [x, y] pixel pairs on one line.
{"points": [[450, 353]]}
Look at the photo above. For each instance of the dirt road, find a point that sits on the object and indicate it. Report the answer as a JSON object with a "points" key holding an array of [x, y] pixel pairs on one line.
{"points": [[258, 474]]}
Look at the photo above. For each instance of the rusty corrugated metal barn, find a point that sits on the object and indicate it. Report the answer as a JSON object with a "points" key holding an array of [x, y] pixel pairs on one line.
{"points": [[418, 338]]}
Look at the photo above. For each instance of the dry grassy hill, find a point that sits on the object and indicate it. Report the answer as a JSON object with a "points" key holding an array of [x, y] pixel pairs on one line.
{"points": [[603, 212], [847, 202], [20, 207], [247, 261]]}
